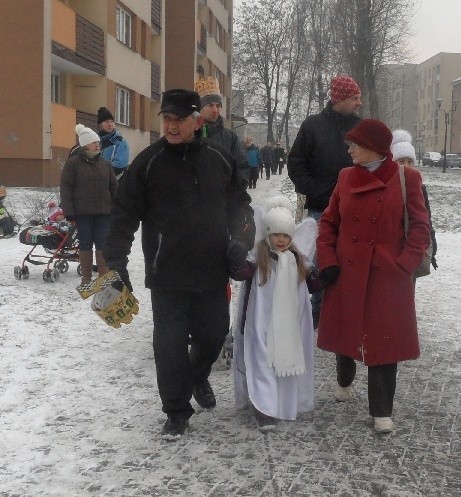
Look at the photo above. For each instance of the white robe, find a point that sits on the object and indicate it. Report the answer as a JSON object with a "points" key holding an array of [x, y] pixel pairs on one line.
{"points": [[254, 381]]}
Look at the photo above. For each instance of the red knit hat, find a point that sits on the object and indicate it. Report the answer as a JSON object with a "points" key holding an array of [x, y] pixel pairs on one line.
{"points": [[342, 87], [373, 135]]}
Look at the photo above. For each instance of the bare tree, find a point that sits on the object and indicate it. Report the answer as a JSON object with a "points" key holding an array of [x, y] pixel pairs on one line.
{"points": [[370, 33], [258, 42]]}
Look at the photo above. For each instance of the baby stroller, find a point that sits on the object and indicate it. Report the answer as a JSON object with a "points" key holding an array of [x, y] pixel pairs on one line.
{"points": [[60, 245]]}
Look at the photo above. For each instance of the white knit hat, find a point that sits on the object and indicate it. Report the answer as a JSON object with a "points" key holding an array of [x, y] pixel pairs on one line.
{"points": [[279, 216], [86, 135], [401, 145]]}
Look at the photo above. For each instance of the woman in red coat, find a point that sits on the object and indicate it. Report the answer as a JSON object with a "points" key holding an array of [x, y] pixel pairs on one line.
{"points": [[368, 310]]}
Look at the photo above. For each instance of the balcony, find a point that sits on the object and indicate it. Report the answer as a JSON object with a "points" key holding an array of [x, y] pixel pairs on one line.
{"points": [[202, 41], [155, 81], [156, 15], [86, 54]]}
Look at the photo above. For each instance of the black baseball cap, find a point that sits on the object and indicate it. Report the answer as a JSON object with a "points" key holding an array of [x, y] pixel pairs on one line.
{"points": [[180, 102]]}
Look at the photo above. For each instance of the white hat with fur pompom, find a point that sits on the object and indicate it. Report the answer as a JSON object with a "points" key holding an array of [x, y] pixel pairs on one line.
{"points": [[279, 216], [401, 145], [86, 135]]}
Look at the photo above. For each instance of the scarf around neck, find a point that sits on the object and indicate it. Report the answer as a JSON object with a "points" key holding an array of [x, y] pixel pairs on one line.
{"points": [[284, 345]]}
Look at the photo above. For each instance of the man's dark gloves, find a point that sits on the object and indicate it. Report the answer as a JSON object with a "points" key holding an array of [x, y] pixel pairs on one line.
{"points": [[237, 252], [120, 267], [330, 274]]}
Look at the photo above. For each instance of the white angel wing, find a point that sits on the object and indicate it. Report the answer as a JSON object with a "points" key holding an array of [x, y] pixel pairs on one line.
{"points": [[304, 239]]}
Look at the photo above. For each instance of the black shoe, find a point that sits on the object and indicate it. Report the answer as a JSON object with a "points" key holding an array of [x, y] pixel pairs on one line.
{"points": [[265, 423], [174, 428], [204, 395]]}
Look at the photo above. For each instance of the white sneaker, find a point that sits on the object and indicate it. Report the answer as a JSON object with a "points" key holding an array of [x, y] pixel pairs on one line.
{"points": [[384, 425], [343, 394]]}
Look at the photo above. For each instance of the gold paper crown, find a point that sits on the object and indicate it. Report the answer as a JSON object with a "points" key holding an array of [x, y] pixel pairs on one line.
{"points": [[207, 86]]}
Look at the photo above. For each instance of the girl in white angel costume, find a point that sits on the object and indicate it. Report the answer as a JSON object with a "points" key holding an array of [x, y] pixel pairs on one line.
{"points": [[274, 337]]}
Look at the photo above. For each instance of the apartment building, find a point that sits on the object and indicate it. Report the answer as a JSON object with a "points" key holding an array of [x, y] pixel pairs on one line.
{"points": [[199, 33], [398, 96], [434, 79], [63, 59]]}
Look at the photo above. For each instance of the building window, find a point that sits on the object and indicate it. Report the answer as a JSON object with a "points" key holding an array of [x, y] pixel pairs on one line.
{"points": [[122, 106], [124, 26], [55, 88]]}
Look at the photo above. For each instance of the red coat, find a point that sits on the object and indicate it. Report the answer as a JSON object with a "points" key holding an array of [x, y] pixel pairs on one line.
{"points": [[369, 312]]}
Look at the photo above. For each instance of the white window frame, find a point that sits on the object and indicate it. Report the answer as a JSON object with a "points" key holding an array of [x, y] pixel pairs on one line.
{"points": [[55, 87], [122, 106], [124, 23]]}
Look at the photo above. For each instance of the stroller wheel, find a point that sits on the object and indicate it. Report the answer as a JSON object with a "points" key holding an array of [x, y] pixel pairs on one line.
{"points": [[46, 275], [17, 272], [54, 275], [79, 270], [25, 273], [63, 266]]}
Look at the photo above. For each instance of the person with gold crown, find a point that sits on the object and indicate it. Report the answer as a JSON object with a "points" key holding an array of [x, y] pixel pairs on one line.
{"points": [[213, 127]]}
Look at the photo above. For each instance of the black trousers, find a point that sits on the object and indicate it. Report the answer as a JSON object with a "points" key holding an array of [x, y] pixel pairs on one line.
{"points": [[381, 384], [204, 316], [254, 173], [268, 168]]}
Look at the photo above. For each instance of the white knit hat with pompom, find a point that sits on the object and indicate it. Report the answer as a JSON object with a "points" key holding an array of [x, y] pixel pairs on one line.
{"points": [[401, 145], [86, 135], [279, 216]]}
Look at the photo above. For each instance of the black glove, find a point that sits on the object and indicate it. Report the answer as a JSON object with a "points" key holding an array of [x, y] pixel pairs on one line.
{"points": [[237, 252], [330, 274], [122, 271]]}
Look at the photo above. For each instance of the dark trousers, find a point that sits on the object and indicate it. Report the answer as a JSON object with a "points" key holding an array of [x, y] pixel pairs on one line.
{"points": [[280, 167], [381, 384], [316, 297], [92, 230], [177, 314], [274, 167], [254, 172], [268, 167]]}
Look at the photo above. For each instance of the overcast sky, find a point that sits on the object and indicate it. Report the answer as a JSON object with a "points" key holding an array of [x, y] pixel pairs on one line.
{"points": [[437, 28]]}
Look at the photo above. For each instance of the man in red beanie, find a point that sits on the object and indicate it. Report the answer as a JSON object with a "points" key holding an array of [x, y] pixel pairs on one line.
{"points": [[319, 152]]}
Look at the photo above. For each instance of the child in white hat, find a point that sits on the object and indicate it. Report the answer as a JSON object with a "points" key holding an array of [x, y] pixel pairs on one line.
{"points": [[404, 153], [273, 339]]}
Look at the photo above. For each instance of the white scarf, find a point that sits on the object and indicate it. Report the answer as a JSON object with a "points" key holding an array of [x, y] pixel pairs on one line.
{"points": [[284, 346]]}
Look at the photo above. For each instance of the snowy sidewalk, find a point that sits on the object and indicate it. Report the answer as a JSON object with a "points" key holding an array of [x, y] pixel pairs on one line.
{"points": [[80, 414]]}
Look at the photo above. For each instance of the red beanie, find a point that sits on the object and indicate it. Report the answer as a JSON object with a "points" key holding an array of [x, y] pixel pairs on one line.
{"points": [[373, 135], [342, 87]]}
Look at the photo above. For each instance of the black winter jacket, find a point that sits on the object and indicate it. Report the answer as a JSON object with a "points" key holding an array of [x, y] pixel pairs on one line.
{"points": [[231, 142], [319, 152], [191, 202]]}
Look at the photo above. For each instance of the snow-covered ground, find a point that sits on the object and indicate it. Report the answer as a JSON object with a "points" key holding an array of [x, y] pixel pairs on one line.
{"points": [[80, 414]]}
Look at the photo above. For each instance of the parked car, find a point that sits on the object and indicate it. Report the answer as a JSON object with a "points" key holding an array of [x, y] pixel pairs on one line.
{"points": [[453, 160], [431, 159]]}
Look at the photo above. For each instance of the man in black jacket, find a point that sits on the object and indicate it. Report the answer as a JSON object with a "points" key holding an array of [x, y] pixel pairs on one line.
{"points": [[319, 152], [196, 223], [213, 126]]}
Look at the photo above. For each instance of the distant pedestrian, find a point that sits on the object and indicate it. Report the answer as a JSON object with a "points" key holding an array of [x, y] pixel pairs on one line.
{"points": [[196, 222], [88, 186], [404, 153], [254, 160], [213, 126], [319, 153], [279, 158], [274, 359], [114, 148], [368, 311], [267, 153]]}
